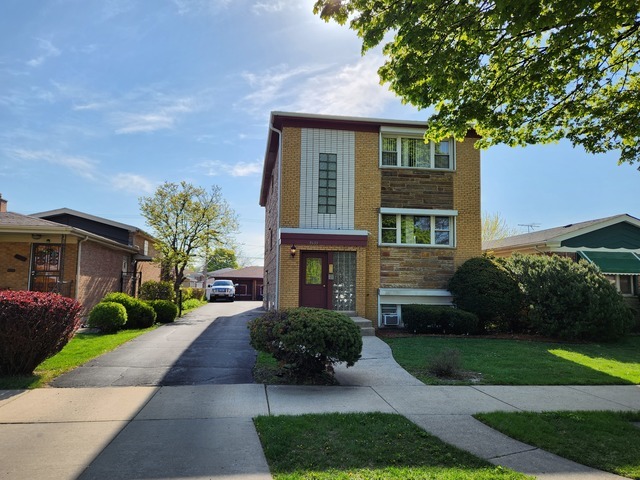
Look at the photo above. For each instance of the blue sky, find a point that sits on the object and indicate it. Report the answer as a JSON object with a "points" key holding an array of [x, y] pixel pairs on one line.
{"points": [[102, 101]]}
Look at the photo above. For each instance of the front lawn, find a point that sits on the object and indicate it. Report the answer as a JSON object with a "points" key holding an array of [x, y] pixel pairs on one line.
{"points": [[364, 446], [518, 362], [82, 348], [607, 441]]}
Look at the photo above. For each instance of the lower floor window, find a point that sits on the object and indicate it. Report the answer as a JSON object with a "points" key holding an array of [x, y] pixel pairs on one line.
{"points": [[390, 315], [625, 284]]}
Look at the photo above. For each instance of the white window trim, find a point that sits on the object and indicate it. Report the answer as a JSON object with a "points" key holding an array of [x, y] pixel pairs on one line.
{"points": [[399, 212], [398, 134]]}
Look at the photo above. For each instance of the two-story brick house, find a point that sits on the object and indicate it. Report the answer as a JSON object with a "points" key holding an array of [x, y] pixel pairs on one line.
{"points": [[363, 217]]}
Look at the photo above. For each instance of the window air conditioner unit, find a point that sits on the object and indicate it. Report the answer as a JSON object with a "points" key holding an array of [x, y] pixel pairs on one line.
{"points": [[390, 319]]}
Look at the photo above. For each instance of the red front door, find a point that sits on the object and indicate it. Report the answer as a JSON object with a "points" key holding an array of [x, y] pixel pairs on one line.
{"points": [[313, 279]]}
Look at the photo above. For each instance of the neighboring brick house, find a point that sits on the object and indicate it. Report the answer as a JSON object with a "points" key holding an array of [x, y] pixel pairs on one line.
{"points": [[363, 217], [75, 254]]}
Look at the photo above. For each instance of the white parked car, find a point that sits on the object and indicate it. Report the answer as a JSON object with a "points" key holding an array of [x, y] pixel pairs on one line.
{"points": [[224, 289]]}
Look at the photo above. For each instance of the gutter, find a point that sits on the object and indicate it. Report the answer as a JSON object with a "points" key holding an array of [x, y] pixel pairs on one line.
{"points": [[279, 161]]}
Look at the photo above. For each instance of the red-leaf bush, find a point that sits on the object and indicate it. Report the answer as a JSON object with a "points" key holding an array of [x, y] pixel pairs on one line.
{"points": [[33, 327]]}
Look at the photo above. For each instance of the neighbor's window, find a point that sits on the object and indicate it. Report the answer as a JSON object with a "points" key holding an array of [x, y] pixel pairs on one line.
{"points": [[327, 185], [398, 151], [430, 230]]}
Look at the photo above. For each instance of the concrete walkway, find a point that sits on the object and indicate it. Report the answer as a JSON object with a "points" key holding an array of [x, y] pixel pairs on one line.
{"points": [[206, 431]]}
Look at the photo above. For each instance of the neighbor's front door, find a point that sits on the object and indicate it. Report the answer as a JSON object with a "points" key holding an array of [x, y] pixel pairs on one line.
{"points": [[314, 279], [46, 267]]}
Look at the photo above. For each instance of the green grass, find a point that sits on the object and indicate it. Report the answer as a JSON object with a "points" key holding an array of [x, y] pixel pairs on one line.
{"points": [[192, 304], [519, 362], [364, 446], [82, 348], [604, 440]]}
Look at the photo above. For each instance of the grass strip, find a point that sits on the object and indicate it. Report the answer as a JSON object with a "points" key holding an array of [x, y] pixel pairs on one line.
{"points": [[364, 446], [80, 349], [608, 441], [521, 362]]}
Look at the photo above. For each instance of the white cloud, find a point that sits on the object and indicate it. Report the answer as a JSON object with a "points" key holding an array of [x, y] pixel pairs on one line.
{"points": [[352, 89], [159, 118], [132, 183], [81, 166], [274, 6], [48, 50], [214, 168]]}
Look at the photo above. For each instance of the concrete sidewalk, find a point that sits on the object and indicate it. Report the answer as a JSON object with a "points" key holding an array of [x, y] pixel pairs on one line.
{"points": [[202, 432]]}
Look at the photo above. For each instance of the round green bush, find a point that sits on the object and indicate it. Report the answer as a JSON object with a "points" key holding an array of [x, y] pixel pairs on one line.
{"points": [[109, 317], [308, 341], [484, 287], [139, 313], [166, 311]]}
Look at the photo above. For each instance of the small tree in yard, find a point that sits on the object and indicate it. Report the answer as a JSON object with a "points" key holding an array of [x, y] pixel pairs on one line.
{"points": [[307, 341], [186, 220]]}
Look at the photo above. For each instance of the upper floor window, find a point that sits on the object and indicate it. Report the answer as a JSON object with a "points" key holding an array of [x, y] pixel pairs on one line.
{"points": [[403, 151], [412, 227], [327, 184], [145, 248]]}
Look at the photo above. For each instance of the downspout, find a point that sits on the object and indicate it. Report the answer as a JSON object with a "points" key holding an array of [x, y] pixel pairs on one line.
{"points": [[279, 162], [78, 265]]}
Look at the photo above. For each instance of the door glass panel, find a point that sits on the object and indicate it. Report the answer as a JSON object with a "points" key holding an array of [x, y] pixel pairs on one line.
{"points": [[344, 281], [313, 274]]}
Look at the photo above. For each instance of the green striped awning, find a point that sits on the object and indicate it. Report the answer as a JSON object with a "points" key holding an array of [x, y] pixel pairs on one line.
{"points": [[614, 263]]}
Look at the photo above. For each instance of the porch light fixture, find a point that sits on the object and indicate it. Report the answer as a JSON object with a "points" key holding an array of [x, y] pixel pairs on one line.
{"points": [[293, 251], [36, 236]]}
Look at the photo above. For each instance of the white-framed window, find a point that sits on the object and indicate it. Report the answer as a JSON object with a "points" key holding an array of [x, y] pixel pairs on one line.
{"points": [[429, 228], [145, 248], [398, 150]]}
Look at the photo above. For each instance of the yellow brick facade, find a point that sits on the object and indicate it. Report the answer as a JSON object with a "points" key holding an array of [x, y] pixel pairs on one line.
{"points": [[464, 182]]}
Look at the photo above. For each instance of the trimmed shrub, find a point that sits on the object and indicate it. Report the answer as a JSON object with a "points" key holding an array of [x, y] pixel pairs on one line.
{"points": [[33, 327], [484, 287], [570, 300], [439, 320], [190, 292], [109, 317], [307, 341], [166, 311], [139, 313], [152, 290]]}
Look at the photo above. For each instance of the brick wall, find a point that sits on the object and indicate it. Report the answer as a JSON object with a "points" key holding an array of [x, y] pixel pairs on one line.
{"points": [[466, 199], [100, 273], [367, 202], [14, 273]]}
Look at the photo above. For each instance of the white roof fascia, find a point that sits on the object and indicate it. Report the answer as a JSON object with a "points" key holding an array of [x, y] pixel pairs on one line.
{"points": [[381, 121], [324, 231]]}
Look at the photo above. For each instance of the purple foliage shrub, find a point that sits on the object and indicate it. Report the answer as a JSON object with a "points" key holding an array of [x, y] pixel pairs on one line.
{"points": [[33, 327]]}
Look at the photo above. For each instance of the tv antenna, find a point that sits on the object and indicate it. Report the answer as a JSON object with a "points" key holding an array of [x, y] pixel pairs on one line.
{"points": [[530, 226]]}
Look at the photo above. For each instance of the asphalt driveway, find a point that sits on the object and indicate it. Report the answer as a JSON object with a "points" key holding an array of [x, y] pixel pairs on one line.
{"points": [[207, 346]]}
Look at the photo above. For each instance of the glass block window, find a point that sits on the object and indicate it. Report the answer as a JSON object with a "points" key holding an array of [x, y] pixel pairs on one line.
{"points": [[327, 185], [344, 281]]}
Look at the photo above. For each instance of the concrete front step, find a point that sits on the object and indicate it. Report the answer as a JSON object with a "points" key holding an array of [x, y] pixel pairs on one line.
{"points": [[366, 329]]}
